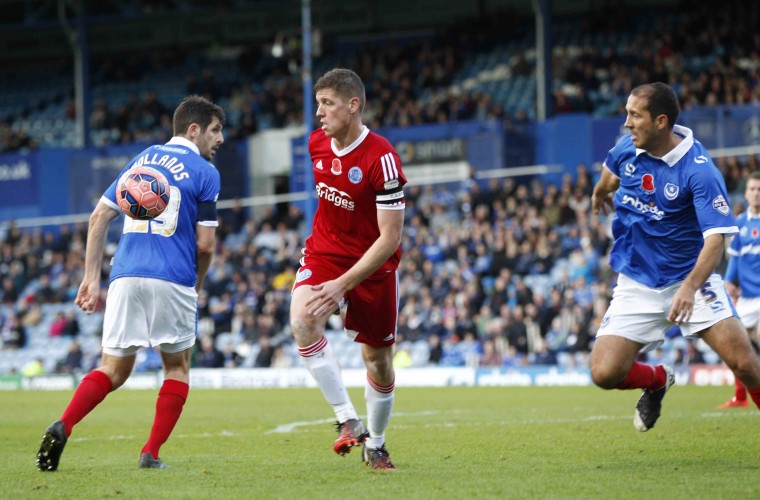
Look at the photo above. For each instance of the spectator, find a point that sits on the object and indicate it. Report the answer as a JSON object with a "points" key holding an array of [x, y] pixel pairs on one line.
{"points": [[436, 350], [209, 356], [72, 362], [265, 354], [280, 358], [402, 358], [12, 332], [34, 368], [59, 324], [232, 359], [491, 354]]}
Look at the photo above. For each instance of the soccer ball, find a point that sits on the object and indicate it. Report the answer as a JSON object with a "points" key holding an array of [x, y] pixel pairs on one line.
{"points": [[142, 193]]}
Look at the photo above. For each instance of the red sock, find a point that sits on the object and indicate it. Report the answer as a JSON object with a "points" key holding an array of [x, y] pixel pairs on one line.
{"points": [[93, 389], [171, 399], [643, 376], [741, 392], [755, 395]]}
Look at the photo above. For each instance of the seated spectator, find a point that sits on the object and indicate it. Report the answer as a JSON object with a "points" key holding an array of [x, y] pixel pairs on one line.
{"points": [[543, 356], [71, 328], [8, 293], [470, 349], [232, 359], [402, 358], [436, 350], [208, 356], [72, 362], [491, 354], [12, 333], [280, 358], [452, 355], [59, 324], [34, 368], [46, 294], [265, 354], [32, 316]]}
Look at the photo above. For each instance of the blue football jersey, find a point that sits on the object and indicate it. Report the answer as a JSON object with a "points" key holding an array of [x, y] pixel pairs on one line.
{"points": [[744, 264], [165, 247], [664, 209]]}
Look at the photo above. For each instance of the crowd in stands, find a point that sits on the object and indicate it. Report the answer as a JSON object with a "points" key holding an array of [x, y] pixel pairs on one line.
{"points": [[711, 56], [708, 52], [507, 273], [411, 82], [15, 140], [512, 272]]}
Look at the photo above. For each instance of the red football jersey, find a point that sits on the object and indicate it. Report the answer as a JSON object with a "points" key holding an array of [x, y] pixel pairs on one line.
{"points": [[352, 185]]}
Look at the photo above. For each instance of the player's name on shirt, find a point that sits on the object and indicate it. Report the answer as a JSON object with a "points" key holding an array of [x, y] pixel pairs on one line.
{"points": [[169, 162]]}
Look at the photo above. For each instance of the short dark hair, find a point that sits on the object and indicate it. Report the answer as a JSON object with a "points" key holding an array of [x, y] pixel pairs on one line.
{"points": [[196, 109], [661, 100], [345, 82], [754, 175]]}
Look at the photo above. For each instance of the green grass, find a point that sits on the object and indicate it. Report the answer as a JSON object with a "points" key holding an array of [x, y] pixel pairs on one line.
{"points": [[538, 442]]}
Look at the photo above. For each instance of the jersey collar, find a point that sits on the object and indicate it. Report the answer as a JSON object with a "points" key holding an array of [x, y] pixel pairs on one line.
{"points": [[751, 216], [181, 141], [674, 155], [354, 145]]}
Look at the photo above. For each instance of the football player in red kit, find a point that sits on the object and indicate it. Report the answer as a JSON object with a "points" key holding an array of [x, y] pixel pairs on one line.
{"points": [[350, 261]]}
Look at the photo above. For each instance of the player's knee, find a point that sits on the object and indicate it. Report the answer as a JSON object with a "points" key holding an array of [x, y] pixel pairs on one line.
{"points": [[379, 365], [305, 329], [746, 369], [603, 376], [117, 377]]}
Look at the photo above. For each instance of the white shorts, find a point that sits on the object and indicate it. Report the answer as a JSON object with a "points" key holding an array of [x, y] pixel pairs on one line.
{"points": [[149, 312], [749, 311], [640, 313]]}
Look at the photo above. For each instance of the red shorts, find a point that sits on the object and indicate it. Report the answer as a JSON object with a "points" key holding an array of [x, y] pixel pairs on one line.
{"points": [[372, 306]]}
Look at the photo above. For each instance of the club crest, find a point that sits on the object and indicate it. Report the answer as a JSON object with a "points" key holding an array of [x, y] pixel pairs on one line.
{"points": [[355, 175], [671, 191]]}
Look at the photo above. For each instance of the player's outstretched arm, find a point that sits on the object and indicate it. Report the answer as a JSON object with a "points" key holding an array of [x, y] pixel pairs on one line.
{"points": [[89, 290], [601, 199]]}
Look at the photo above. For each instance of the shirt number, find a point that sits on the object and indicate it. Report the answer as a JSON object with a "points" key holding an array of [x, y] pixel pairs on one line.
{"points": [[164, 225]]}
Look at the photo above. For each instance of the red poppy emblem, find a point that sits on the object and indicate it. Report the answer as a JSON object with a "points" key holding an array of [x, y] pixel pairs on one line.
{"points": [[754, 232], [337, 168], [647, 183]]}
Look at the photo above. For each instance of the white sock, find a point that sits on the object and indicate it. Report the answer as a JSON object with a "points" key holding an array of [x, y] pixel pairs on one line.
{"points": [[323, 366], [379, 407]]}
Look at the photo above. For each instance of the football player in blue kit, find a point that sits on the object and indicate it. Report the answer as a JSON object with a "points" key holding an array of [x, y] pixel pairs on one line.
{"points": [[671, 218], [743, 274], [158, 269]]}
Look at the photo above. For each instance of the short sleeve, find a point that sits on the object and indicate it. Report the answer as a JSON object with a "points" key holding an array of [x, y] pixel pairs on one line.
{"points": [[710, 200]]}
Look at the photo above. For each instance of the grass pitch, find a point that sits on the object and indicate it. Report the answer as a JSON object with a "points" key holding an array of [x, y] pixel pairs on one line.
{"points": [[535, 442]]}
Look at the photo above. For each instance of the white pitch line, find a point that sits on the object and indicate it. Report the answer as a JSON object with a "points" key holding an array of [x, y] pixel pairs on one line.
{"points": [[291, 427], [294, 426], [178, 436]]}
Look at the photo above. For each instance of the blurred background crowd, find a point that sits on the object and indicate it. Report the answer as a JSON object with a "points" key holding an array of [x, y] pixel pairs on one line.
{"points": [[480, 69], [505, 272]]}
